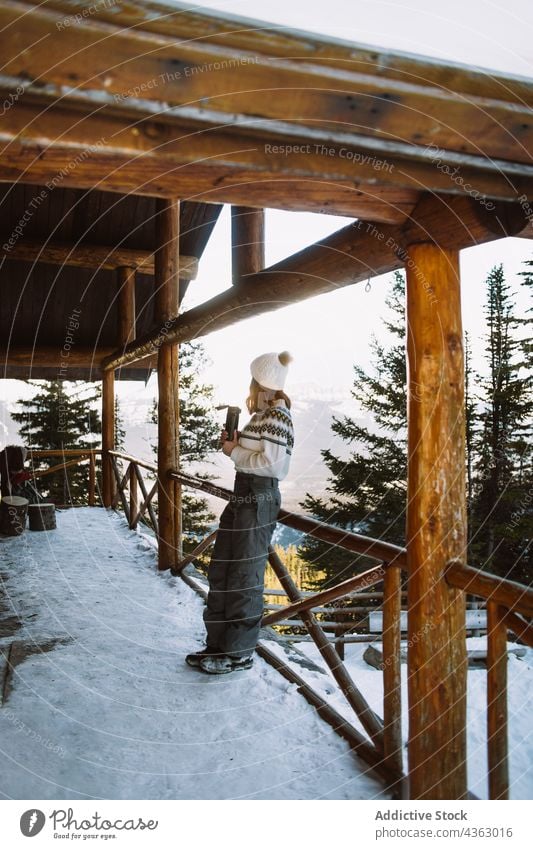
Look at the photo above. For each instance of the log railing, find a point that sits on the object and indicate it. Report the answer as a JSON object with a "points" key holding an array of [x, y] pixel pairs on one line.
{"points": [[353, 614], [509, 608], [384, 751], [128, 482], [76, 455], [507, 603]]}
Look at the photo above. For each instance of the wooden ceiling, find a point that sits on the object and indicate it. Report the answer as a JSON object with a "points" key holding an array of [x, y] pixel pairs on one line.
{"points": [[37, 296]]}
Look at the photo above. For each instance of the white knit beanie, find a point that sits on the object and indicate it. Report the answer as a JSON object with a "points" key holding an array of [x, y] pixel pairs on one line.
{"points": [[270, 370]]}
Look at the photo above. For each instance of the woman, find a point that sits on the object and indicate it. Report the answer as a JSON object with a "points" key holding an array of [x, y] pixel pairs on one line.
{"points": [[261, 453]]}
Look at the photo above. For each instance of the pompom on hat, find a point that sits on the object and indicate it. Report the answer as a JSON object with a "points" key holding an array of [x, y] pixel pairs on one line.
{"points": [[270, 370]]}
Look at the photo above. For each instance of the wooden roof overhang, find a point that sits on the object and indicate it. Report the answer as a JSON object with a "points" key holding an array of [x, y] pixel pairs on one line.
{"points": [[58, 276], [154, 100], [183, 104]]}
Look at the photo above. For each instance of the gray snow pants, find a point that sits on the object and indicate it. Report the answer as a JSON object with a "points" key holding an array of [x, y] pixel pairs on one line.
{"points": [[237, 568]]}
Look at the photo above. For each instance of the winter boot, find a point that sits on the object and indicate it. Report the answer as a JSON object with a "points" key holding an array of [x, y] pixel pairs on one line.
{"points": [[195, 658], [223, 664]]}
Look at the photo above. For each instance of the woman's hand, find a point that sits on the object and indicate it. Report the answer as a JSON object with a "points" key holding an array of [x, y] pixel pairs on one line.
{"points": [[229, 444]]}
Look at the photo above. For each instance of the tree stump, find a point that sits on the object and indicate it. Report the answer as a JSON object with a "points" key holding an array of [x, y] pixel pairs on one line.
{"points": [[42, 517], [13, 512]]}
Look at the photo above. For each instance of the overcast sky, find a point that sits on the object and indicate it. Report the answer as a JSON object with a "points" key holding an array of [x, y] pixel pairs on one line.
{"points": [[327, 335]]}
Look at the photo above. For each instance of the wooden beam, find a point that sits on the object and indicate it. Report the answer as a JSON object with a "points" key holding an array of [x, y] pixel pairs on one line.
{"points": [[235, 33], [92, 479], [179, 115], [166, 306], [135, 153], [49, 356], [196, 552], [351, 255], [369, 720], [134, 497], [90, 256], [305, 603], [108, 435], [120, 485], [151, 467], [61, 452], [225, 81], [247, 241], [462, 222], [210, 167], [509, 594], [41, 473], [359, 544], [177, 494], [126, 305], [522, 629], [346, 257], [436, 525]]}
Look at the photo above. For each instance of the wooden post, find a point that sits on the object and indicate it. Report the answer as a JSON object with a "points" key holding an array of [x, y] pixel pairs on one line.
{"points": [[497, 702], [178, 522], [108, 435], [166, 306], [134, 498], [247, 241], [92, 478], [392, 688], [126, 305], [436, 525], [340, 629]]}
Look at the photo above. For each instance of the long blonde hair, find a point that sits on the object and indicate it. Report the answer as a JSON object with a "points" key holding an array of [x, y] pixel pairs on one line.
{"points": [[253, 397]]}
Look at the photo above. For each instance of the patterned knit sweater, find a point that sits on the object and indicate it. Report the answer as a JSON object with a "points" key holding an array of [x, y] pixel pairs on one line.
{"points": [[266, 443]]}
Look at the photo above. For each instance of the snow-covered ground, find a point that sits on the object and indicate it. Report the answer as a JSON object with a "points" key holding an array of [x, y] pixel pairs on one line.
{"points": [[111, 711]]}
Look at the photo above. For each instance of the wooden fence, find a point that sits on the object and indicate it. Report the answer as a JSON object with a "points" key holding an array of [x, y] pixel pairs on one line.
{"points": [[128, 484], [367, 618], [509, 608], [76, 455]]}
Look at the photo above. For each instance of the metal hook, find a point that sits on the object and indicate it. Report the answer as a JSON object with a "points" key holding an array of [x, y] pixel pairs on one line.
{"points": [[368, 287]]}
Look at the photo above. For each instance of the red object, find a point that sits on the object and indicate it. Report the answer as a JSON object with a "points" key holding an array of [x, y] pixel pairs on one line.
{"points": [[20, 477]]}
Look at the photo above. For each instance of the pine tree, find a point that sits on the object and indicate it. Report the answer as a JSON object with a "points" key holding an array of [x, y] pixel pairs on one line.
{"points": [[120, 432], [498, 544], [369, 489], [520, 496], [61, 415], [470, 425], [199, 430], [526, 321]]}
